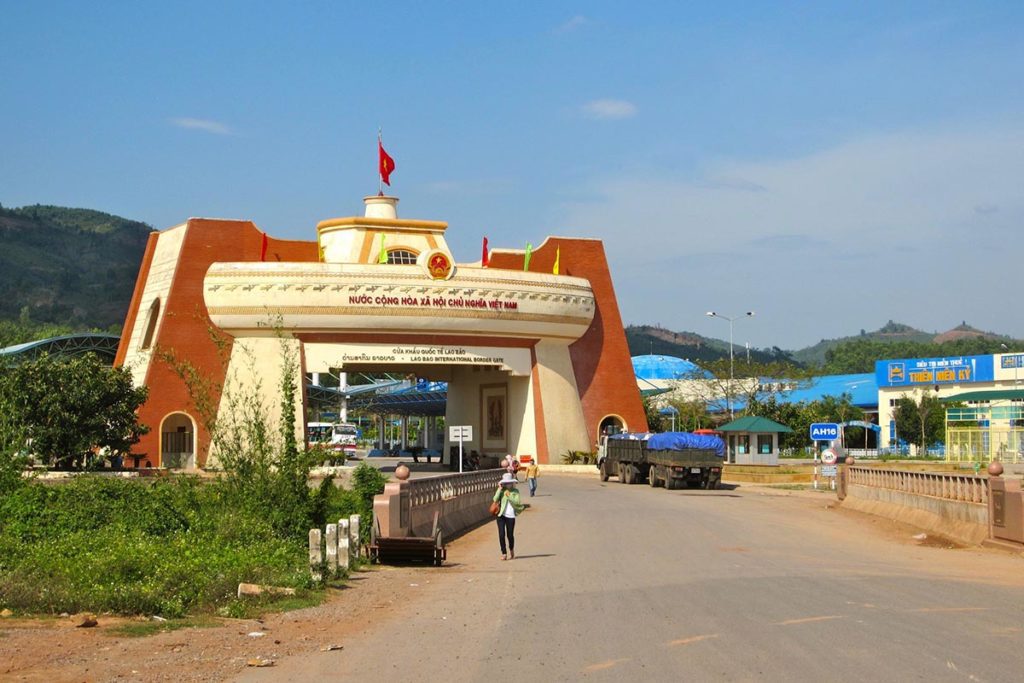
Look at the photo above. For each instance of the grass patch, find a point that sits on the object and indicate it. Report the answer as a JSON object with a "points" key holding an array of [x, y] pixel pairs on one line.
{"points": [[171, 548], [253, 607], [822, 488], [143, 629]]}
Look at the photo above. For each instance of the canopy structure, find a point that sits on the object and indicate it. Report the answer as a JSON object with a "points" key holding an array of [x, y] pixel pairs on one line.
{"points": [[666, 367], [426, 398], [103, 345], [647, 389], [989, 395], [332, 396]]}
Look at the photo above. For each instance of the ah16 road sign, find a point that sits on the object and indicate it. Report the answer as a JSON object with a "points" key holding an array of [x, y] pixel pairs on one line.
{"points": [[824, 431]]}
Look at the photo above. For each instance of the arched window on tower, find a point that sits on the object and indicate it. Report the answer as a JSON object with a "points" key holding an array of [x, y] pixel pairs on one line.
{"points": [[151, 318], [402, 257]]}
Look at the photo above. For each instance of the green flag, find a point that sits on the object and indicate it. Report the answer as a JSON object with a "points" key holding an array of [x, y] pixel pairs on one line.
{"points": [[383, 258], [526, 259]]}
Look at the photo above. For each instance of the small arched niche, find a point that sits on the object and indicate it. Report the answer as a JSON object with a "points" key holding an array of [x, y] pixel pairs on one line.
{"points": [[177, 441]]}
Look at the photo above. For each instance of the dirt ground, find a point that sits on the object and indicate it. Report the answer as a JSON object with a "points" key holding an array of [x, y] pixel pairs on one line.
{"points": [[55, 650]]}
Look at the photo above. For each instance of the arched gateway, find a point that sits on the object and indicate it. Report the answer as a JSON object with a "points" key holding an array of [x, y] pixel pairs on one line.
{"points": [[533, 360]]}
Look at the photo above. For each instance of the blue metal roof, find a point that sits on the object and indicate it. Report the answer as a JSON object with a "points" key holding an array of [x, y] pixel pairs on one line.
{"points": [[103, 345], [665, 367], [863, 390], [423, 398]]}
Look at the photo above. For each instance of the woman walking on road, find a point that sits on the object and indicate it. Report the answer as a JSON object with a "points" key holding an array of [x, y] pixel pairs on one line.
{"points": [[509, 505]]}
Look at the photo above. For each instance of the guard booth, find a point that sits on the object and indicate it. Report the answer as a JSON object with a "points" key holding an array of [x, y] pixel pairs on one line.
{"points": [[752, 440]]}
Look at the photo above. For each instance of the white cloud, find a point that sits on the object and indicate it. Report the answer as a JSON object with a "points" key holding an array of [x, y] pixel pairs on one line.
{"points": [[572, 24], [205, 125], [901, 226], [609, 110]]}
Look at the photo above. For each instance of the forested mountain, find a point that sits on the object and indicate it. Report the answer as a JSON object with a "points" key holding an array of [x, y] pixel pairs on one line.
{"points": [[854, 354], [651, 339], [891, 332], [69, 267]]}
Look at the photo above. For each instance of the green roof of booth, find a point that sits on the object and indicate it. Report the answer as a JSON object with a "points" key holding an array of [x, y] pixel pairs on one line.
{"points": [[753, 423]]}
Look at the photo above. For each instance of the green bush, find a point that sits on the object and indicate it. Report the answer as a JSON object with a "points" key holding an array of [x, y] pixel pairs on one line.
{"points": [[169, 547], [579, 457], [177, 545]]}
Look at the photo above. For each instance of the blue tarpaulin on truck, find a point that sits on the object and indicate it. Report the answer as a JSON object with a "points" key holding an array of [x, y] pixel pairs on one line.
{"points": [[678, 441]]}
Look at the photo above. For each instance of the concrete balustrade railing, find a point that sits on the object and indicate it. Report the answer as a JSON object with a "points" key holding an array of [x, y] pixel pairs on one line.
{"points": [[950, 504], [407, 507], [967, 488]]}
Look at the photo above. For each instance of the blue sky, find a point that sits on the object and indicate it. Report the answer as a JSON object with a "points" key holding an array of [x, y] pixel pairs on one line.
{"points": [[830, 166]]}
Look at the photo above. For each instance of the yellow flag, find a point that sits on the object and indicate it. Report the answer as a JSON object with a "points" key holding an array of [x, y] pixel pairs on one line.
{"points": [[558, 257], [383, 258], [526, 258], [319, 247]]}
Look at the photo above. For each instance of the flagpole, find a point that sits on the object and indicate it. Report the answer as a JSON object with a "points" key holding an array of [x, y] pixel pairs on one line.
{"points": [[380, 178]]}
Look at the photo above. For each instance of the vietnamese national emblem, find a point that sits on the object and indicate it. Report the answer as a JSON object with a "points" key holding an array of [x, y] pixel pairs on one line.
{"points": [[439, 266]]}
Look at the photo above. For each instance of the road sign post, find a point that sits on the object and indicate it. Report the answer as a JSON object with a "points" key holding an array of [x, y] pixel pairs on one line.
{"points": [[460, 434], [829, 458], [824, 431]]}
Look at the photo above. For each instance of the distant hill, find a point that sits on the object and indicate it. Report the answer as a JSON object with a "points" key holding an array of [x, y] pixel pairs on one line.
{"points": [[890, 332], [74, 267], [649, 339], [909, 342]]}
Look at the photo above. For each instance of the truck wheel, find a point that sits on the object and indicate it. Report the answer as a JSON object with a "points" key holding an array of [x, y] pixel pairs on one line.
{"points": [[627, 473], [713, 483], [652, 476], [604, 470], [670, 483]]}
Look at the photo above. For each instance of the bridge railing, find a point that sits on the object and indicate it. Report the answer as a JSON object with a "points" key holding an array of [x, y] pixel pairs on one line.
{"points": [[448, 486], [966, 488], [407, 508]]}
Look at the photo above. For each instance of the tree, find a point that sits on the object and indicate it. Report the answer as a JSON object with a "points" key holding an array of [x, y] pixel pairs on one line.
{"points": [[751, 383], [800, 416], [689, 414], [70, 409], [921, 422]]}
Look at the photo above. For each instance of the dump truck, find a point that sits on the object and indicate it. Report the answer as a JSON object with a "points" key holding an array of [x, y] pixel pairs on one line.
{"points": [[670, 459]]}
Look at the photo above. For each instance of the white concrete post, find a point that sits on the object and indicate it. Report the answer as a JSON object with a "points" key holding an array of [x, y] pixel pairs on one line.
{"points": [[353, 535], [344, 558], [315, 557], [331, 546]]}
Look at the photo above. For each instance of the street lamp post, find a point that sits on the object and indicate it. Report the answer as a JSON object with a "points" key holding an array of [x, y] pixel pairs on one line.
{"points": [[731, 319]]}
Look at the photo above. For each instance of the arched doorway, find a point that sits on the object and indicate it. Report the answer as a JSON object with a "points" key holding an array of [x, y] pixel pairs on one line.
{"points": [[177, 442], [611, 424]]}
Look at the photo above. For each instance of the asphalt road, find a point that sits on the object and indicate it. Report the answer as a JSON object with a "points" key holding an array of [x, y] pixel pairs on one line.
{"points": [[616, 582]]}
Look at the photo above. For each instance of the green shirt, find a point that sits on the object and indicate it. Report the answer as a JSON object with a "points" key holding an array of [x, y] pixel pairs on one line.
{"points": [[508, 497]]}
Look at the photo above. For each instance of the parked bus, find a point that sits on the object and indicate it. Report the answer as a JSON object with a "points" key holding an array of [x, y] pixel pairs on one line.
{"points": [[336, 436]]}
